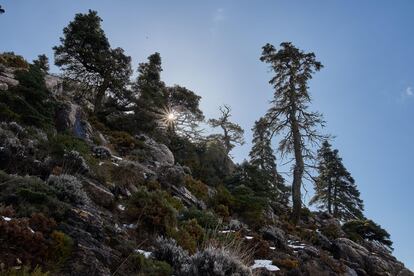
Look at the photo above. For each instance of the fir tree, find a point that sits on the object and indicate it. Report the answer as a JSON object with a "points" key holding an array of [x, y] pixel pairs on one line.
{"points": [[150, 93], [262, 157], [289, 115], [335, 189]]}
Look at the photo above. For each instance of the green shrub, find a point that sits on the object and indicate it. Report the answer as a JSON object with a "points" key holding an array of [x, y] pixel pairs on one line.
{"points": [[28, 195], [143, 266], [223, 201], [190, 235], [62, 143], [366, 229], [152, 210], [61, 248], [204, 218], [196, 187], [23, 271], [249, 206]]}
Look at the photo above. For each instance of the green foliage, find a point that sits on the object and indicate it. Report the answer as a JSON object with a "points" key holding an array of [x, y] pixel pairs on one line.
{"points": [[335, 189], [366, 229], [42, 62], [61, 143], [152, 210], [196, 187], [190, 235], [30, 102], [10, 59], [62, 246], [124, 142], [204, 218], [143, 266], [85, 56], [249, 206], [30, 194]]}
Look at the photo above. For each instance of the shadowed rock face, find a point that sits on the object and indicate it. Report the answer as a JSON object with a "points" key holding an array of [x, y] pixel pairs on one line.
{"points": [[70, 117]]}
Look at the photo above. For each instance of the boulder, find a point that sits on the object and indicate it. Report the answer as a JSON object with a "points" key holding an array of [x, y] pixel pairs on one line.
{"points": [[187, 197], [171, 175], [274, 234], [70, 117], [156, 154]]}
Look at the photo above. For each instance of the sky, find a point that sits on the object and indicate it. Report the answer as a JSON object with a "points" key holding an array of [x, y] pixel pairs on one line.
{"points": [[365, 90]]}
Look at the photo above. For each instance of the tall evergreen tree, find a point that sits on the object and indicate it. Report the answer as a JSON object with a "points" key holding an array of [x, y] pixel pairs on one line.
{"points": [[150, 93], [262, 157], [335, 189], [232, 132], [289, 115], [86, 57]]}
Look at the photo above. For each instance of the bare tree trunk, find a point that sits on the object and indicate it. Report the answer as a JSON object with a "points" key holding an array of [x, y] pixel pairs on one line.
{"points": [[330, 198], [297, 172]]}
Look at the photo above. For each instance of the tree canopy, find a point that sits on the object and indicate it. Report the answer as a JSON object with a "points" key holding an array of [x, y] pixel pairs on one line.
{"points": [[86, 57]]}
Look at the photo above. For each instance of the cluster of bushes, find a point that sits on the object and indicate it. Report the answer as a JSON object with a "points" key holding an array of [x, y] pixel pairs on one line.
{"points": [[212, 260], [30, 195], [29, 103], [366, 229], [32, 242]]}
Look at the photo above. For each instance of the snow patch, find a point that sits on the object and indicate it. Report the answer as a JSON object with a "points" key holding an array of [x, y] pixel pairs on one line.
{"points": [[6, 218], [272, 248], [226, 231], [248, 237], [266, 264], [121, 207], [143, 252]]}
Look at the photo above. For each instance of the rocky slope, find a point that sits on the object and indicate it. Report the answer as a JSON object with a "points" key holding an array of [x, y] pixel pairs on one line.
{"points": [[104, 198]]}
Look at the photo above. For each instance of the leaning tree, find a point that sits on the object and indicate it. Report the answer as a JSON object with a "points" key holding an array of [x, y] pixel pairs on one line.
{"points": [[87, 58], [289, 115]]}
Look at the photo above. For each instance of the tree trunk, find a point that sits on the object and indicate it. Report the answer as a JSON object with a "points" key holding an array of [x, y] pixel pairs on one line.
{"points": [[297, 172], [330, 198], [100, 97]]}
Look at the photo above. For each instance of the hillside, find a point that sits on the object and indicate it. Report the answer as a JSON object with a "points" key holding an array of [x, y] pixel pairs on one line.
{"points": [[82, 194]]}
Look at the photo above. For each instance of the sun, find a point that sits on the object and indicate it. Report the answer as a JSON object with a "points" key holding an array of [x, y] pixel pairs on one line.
{"points": [[168, 118], [171, 117]]}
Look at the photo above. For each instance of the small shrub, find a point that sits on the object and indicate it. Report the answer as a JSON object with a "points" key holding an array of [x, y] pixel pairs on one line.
{"points": [[168, 251], [73, 162], [140, 265], [68, 188], [29, 195], [196, 187], [190, 235], [204, 218], [63, 143], [152, 210], [217, 261], [331, 231], [61, 248]]}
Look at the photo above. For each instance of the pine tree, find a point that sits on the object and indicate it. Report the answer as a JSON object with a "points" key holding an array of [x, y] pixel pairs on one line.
{"points": [[42, 62], [289, 115], [262, 157], [335, 189]]}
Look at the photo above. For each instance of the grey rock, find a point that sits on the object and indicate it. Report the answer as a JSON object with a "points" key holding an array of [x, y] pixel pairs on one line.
{"points": [[70, 117], [187, 197], [156, 154], [276, 235], [101, 152]]}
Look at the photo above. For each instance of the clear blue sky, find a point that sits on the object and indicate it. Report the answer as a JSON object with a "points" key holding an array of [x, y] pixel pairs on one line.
{"points": [[365, 90]]}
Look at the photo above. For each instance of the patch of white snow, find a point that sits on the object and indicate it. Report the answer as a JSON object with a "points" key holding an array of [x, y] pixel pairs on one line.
{"points": [[266, 264]]}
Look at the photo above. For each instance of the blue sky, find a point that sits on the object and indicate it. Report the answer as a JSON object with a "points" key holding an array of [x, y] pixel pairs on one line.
{"points": [[365, 90]]}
